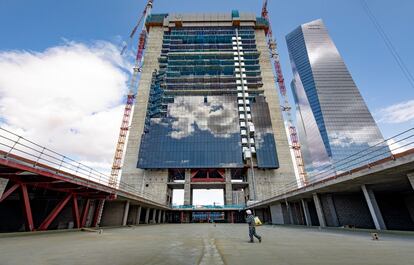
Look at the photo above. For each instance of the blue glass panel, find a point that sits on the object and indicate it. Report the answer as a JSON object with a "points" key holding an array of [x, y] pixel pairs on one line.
{"points": [[265, 142]]}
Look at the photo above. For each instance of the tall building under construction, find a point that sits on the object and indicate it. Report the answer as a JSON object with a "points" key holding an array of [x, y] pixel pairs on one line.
{"points": [[207, 112]]}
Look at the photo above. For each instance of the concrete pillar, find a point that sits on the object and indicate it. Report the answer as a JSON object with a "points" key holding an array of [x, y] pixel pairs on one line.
{"points": [[277, 214], [163, 217], [252, 188], [411, 179], [159, 216], [289, 211], [126, 211], [138, 215], [187, 187], [3, 185], [147, 215], [319, 210], [333, 218], [306, 213], [229, 189], [154, 213], [373, 208]]}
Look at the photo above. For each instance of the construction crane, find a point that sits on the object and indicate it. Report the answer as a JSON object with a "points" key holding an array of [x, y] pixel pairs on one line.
{"points": [[119, 151], [285, 107]]}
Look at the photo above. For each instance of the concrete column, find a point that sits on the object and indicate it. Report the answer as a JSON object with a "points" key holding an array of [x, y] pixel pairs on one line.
{"points": [[277, 214], [289, 211], [138, 215], [411, 179], [373, 208], [147, 215], [187, 187], [159, 216], [332, 211], [163, 217], [154, 213], [229, 189], [319, 210], [126, 211], [306, 213], [3, 185], [250, 180]]}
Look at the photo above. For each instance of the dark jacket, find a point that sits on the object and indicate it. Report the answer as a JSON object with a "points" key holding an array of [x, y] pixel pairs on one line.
{"points": [[250, 220]]}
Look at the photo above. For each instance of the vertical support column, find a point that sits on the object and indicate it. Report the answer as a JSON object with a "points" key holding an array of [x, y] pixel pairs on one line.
{"points": [[319, 210], [187, 187], [306, 212], [154, 213], [373, 208], [163, 217], [332, 211], [181, 217], [138, 214], [411, 179], [27, 209], [289, 210], [85, 212], [147, 215], [75, 211], [229, 189], [3, 185], [232, 217], [99, 205], [126, 211], [159, 216]]}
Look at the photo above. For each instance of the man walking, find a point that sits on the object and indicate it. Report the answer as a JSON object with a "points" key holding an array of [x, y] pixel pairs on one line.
{"points": [[252, 227]]}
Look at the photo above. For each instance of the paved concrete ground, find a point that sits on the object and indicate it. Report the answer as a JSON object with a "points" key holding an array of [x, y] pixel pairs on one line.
{"points": [[205, 244]]}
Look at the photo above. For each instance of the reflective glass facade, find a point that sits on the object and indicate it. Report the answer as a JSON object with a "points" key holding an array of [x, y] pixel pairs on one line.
{"points": [[206, 108], [333, 119]]}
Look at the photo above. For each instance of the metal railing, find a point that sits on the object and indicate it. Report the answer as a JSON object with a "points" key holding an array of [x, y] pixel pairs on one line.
{"points": [[17, 148], [386, 149]]}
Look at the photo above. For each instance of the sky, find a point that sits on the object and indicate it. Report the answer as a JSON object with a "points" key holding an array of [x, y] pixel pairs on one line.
{"points": [[63, 82]]}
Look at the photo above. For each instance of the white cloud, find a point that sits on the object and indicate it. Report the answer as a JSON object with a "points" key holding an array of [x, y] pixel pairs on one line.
{"points": [[68, 98], [397, 113]]}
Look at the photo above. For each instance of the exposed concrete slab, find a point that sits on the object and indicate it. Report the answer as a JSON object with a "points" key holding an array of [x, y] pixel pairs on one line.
{"points": [[373, 208], [197, 243]]}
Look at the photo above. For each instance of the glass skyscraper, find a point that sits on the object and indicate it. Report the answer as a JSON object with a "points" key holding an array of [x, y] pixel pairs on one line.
{"points": [[333, 120]]}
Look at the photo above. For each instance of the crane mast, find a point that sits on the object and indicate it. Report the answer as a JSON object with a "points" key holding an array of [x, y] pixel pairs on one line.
{"points": [[119, 151], [285, 107]]}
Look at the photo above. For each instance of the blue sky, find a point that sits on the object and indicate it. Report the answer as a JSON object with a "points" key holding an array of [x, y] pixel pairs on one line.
{"points": [[38, 25]]}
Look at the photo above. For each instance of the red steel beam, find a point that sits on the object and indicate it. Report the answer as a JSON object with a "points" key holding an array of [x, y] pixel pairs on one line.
{"points": [[85, 212], [9, 191], [75, 211], [27, 209], [49, 219]]}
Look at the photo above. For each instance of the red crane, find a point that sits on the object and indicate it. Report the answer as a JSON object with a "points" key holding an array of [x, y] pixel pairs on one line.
{"points": [[285, 107], [119, 151]]}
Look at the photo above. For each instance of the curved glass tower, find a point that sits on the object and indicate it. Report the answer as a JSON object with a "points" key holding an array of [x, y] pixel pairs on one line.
{"points": [[334, 122]]}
